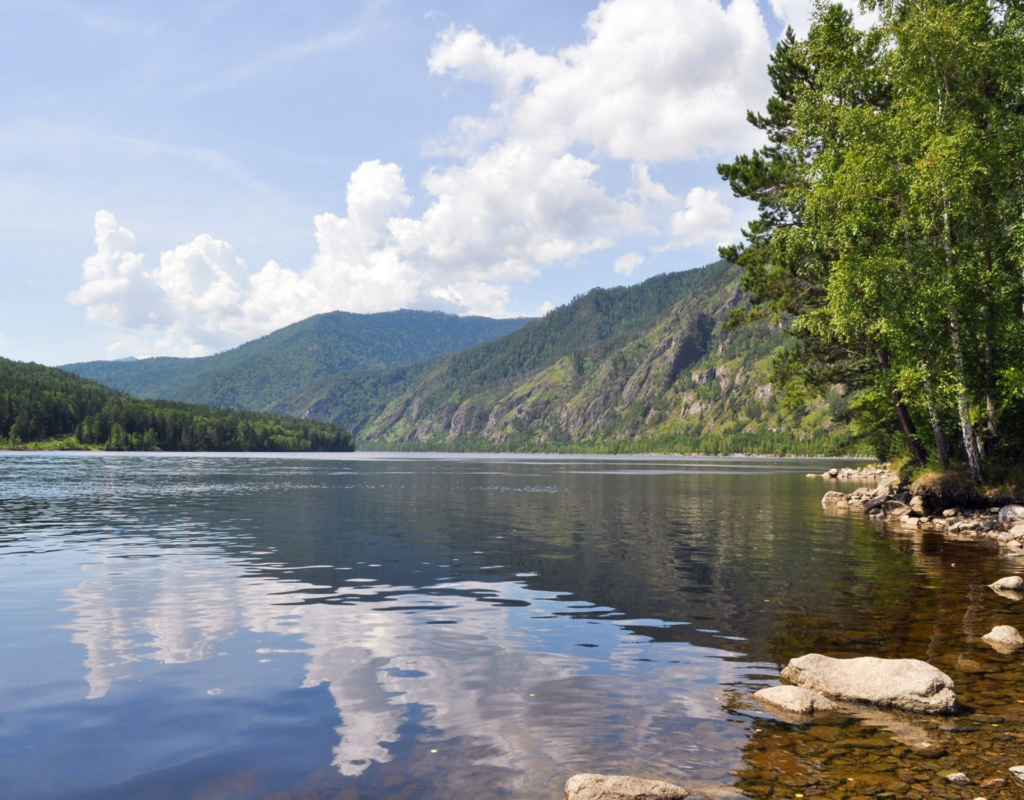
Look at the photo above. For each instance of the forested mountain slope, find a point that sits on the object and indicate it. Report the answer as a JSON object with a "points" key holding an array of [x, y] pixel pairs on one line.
{"points": [[41, 404], [271, 369], [646, 367]]}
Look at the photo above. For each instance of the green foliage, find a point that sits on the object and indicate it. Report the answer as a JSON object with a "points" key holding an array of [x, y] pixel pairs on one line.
{"points": [[41, 405], [891, 199], [262, 373]]}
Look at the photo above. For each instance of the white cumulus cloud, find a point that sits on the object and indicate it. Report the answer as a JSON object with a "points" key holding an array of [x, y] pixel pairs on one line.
{"points": [[115, 288], [703, 219], [654, 80], [627, 263], [492, 222], [798, 13], [651, 81]]}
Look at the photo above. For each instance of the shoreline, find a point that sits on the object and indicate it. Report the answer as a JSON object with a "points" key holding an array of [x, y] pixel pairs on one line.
{"points": [[896, 504]]}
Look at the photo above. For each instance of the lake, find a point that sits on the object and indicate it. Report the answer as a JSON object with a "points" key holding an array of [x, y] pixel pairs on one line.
{"points": [[361, 626]]}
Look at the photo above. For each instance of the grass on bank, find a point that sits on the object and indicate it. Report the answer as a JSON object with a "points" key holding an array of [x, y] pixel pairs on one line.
{"points": [[1001, 483], [59, 443]]}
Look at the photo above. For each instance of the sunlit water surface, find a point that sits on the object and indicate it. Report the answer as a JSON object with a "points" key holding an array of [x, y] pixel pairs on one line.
{"points": [[455, 627]]}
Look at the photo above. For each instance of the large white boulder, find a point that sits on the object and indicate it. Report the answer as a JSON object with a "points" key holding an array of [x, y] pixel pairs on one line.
{"points": [[588, 786], [902, 683]]}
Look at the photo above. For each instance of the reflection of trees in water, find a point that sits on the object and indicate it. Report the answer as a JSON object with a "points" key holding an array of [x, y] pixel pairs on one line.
{"points": [[749, 556]]}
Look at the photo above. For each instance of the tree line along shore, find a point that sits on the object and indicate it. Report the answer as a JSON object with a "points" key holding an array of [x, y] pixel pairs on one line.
{"points": [[46, 408]]}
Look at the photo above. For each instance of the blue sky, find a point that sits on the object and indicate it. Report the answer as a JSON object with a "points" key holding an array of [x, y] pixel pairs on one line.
{"points": [[176, 178]]}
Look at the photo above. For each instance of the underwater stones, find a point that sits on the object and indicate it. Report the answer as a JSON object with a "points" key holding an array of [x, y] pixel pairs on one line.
{"points": [[1018, 773], [793, 701], [1004, 638], [958, 778], [928, 750], [589, 786], [902, 683]]}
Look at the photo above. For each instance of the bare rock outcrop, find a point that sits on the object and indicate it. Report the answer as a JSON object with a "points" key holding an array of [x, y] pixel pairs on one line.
{"points": [[589, 786], [900, 683]]}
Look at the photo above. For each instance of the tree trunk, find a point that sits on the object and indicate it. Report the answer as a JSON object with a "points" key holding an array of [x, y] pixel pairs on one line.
{"points": [[903, 418], [962, 402], [990, 348], [940, 438], [990, 373]]}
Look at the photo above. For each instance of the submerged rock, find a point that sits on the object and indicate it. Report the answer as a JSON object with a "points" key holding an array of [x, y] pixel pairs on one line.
{"points": [[1004, 638], [793, 701], [1012, 583], [958, 778], [588, 786], [902, 683], [1018, 773]]}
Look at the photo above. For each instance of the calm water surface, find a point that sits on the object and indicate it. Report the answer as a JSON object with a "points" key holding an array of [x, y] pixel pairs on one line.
{"points": [[443, 627]]}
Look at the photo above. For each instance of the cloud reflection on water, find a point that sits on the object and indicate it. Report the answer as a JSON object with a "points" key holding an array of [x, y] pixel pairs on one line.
{"points": [[492, 662]]}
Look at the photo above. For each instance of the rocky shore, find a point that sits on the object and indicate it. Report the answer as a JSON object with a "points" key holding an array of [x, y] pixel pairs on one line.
{"points": [[902, 505], [872, 472]]}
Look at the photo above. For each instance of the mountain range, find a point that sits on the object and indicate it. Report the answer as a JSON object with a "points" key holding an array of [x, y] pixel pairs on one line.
{"points": [[648, 367], [259, 374]]}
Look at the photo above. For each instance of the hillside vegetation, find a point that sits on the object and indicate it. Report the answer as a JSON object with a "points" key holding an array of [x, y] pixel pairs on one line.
{"points": [[46, 406], [258, 374], [633, 369]]}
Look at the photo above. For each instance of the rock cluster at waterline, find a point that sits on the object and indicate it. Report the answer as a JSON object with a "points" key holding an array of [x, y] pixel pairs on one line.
{"points": [[589, 786], [875, 472], [892, 505]]}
